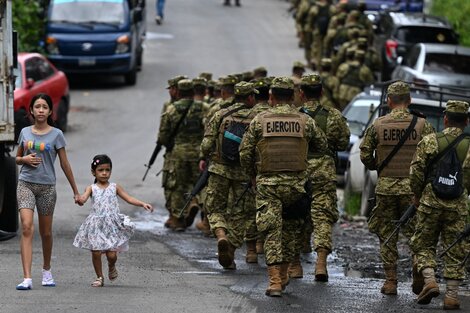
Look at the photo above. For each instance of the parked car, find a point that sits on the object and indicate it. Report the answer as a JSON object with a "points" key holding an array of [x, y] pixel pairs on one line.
{"points": [[357, 113], [95, 36], [37, 75], [398, 32], [428, 103], [435, 64], [393, 5]]}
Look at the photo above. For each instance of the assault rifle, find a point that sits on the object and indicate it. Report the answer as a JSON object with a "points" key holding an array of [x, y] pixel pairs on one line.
{"points": [[200, 184], [248, 185], [152, 159], [409, 213], [461, 237]]}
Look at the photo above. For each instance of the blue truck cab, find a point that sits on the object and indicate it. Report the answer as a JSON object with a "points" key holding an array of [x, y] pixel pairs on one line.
{"points": [[96, 36]]}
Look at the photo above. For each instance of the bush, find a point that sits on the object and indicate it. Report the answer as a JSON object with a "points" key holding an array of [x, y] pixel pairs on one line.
{"points": [[457, 12], [352, 203], [29, 22]]}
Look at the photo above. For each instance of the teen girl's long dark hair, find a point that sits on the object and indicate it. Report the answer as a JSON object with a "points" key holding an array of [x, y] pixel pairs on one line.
{"points": [[100, 159], [48, 100]]}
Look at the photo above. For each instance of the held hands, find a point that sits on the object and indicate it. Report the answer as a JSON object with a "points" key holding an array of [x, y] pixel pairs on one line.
{"points": [[79, 199], [147, 206], [31, 160]]}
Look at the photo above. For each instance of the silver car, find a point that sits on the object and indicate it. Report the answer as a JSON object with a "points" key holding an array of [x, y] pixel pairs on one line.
{"points": [[442, 65]]}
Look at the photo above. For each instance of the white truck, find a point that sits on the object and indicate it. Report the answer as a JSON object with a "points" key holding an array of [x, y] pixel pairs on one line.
{"points": [[8, 169]]}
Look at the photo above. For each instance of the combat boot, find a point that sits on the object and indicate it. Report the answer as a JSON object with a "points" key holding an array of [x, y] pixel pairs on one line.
{"points": [[170, 222], [227, 2], [259, 246], [321, 273], [192, 212], [284, 275], [430, 289], [418, 279], [179, 224], [231, 255], [390, 285], [295, 269], [251, 256], [223, 248], [274, 287], [203, 225], [451, 300], [237, 3]]}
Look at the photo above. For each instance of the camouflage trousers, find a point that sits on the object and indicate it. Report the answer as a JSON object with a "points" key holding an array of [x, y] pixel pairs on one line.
{"points": [[168, 181], [280, 235], [433, 223], [251, 231], [221, 195], [389, 208], [324, 214], [316, 49], [184, 176]]}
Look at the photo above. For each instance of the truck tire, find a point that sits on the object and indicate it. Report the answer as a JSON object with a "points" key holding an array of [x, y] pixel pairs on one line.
{"points": [[131, 77], [139, 58], [9, 209], [62, 113]]}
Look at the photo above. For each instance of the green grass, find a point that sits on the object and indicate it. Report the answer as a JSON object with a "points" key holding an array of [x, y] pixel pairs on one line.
{"points": [[457, 12], [352, 203]]}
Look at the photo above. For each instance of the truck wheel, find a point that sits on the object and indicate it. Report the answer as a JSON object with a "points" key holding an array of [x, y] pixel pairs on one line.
{"points": [[367, 193], [131, 77], [62, 113], [139, 59], [9, 212]]}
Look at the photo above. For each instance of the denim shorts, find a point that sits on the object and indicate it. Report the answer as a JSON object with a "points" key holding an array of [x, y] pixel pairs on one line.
{"points": [[31, 195]]}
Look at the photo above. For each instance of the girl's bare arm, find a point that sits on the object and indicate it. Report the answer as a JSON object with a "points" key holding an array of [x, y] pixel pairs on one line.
{"points": [[131, 200], [65, 165]]}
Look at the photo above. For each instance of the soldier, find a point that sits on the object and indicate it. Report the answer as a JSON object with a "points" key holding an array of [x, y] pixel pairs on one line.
{"points": [[340, 57], [364, 20], [274, 150], [210, 92], [330, 84], [227, 220], [371, 58], [168, 168], [303, 32], [298, 70], [353, 77], [199, 88], [393, 193], [181, 132], [364, 71], [336, 31], [436, 216], [317, 21], [206, 75], [227, 89], [260, 72], [322, 169]]}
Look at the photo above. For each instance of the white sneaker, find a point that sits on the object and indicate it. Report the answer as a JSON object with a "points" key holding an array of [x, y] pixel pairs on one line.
{"points": [[47, 280], [27, 284]]}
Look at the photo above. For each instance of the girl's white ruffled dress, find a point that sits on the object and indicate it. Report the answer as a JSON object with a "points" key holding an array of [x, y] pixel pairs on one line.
{"points": [[105, 228]]}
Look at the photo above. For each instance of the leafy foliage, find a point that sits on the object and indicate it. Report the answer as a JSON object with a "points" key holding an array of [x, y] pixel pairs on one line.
{"points": [[457, 12], [29, 22]]}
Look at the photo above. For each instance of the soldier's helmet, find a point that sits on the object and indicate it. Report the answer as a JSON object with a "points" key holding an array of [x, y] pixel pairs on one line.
{"points": [[457, 107], [398, 88], [245, 89], [173, 82], [282, 83]]}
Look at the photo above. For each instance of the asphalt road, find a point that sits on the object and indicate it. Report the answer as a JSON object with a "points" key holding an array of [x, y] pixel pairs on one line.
{"points": [[166, 271]]}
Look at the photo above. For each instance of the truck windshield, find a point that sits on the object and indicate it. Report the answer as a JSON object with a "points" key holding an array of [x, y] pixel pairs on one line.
{"points": [[88, 11]]}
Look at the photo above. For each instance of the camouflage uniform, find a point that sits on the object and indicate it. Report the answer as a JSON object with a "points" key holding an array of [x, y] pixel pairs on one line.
{"points": [[184, 145], [226, 179], [168, 181], [277, 188], [393, 194], [437, 217], [321, 10], [330, 84]]}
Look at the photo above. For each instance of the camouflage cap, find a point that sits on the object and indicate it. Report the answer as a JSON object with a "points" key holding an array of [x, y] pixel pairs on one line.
{"points": [[211, 83], [359, 54], [310, 80], [185, 84], [263, 82], [199, 81], [206, 75], [244, 89], [260, 71], [326, 62], [282, 83], [173, 82], [456, 106], [228, 80], [299, 65], [398, 88], [350, 51], [247, 76], [354, 14]]}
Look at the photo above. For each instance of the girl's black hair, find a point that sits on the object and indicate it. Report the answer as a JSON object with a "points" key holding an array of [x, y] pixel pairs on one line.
{"points": [[48, 100], [100, 159]]}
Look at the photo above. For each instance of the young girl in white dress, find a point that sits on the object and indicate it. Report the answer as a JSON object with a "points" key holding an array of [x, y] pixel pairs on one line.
{"points": [[105, 230]]}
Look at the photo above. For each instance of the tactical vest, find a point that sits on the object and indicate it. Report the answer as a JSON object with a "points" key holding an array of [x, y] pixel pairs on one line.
{"points": [[283, 147], [233, 117], [389, 132], [328, 92], [191, 128], [320, 115], [352, 76]]}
